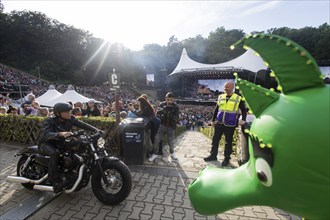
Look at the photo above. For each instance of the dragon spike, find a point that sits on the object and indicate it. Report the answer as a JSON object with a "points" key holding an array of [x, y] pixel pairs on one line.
{"points": [[257, 98], [295, 68]]}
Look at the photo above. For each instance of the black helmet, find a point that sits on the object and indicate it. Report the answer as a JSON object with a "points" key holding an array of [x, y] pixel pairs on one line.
{"points": [[61, 107]]}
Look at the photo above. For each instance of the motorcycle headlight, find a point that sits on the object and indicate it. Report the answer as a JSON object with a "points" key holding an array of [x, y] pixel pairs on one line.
{"points": [[100, 142]]}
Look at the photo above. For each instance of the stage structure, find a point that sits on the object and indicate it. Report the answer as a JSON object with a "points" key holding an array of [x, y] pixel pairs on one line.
{"points": [[249, 66], [161, 83]]}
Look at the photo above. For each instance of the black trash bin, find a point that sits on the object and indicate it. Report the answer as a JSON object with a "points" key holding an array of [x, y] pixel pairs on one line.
{"points": [[136, 144]]}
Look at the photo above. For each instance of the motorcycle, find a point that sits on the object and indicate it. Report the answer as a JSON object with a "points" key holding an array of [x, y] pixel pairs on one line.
{"points": [[81, 158]]}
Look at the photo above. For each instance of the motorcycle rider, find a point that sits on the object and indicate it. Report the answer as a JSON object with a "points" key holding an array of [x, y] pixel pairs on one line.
{"points": [[55, 130]]}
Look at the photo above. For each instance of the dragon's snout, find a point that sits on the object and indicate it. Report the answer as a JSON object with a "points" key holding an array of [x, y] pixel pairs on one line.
{"points": [[217, 190]]}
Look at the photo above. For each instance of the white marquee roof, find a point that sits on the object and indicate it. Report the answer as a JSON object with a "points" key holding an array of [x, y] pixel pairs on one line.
{"points": [[248, 61], [70, 95], [51, 94]]}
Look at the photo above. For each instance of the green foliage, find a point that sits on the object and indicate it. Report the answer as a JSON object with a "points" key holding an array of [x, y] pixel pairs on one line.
{"points": [[102, 123], [219, 43], [20, 129], [68, 54], [315, 40], [26, 129], [196, 47], [180, 130]]}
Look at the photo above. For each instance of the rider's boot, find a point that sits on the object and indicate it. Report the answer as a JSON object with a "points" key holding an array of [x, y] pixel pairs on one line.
{"points": [[59, 184]]}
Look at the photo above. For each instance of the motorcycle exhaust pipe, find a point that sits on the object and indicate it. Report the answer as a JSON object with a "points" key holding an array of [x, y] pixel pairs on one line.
{"points": [[43, 188], [51, 189], [81, 169], [19, 179]]}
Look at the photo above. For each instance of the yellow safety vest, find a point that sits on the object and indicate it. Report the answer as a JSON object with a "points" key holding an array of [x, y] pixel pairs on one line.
{"points": [[228, 110]]}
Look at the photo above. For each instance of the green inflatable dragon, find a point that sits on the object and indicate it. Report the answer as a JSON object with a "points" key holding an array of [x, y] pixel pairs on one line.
{"points": [[288, 140]]}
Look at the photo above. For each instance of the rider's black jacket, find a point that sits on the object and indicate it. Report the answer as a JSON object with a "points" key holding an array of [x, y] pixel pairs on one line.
{"points": [[52, 126]]}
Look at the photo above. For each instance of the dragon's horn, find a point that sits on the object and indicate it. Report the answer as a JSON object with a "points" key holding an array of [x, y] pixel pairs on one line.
{"points": [[293, 66], [257, 97]]}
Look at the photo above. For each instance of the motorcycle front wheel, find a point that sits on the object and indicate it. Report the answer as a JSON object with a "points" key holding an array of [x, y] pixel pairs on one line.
{"points": [[120, 182]]}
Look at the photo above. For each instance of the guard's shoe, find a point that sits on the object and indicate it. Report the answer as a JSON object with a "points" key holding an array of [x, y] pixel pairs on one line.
{"points": [[225, 162], [153, 157], [210, 158], [174, 157]]}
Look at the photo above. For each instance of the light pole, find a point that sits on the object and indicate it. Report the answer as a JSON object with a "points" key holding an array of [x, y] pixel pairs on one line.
{"points": [[114, 83], [38, 70], [117, 103]]}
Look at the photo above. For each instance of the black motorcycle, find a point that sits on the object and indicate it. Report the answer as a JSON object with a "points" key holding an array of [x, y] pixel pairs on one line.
{"points": [[82, 157]]}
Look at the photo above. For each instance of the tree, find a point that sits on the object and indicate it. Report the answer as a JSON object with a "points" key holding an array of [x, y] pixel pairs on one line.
{"points": [[196, 48], [67, 54], [219, 43]]}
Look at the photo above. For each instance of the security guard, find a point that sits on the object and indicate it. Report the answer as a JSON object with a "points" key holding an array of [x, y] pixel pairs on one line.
{"points": [[224, 121]]}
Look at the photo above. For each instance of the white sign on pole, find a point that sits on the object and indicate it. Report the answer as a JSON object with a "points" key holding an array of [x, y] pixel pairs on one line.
{"points": [[114, 79]]}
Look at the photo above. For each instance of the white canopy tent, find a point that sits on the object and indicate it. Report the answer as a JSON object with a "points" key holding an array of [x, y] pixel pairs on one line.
{"points": [[26, 98], [69, 96], [247, 61], [51, 94]]}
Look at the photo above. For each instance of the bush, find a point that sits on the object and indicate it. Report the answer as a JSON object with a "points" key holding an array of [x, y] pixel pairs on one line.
{"points": [[179, 130], [26, 129], [20, 129]]}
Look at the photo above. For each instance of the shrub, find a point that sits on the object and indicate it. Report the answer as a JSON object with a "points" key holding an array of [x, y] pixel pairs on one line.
{"points": [[26, 129]]}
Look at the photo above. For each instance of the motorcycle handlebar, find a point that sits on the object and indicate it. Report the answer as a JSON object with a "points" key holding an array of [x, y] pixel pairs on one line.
{"points": [[81, 132], [78, 133]]}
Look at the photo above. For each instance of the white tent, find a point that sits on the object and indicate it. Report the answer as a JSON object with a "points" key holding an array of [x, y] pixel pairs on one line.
{"points": [[51, 94], [69, 96], [26, 98], [248, 61]]}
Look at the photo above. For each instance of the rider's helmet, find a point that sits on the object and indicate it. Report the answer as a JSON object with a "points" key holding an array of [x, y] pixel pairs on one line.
{"points": [[61, 107]]}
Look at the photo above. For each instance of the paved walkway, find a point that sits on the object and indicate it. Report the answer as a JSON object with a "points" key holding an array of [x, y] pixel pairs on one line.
{"points": [[159, 190]]}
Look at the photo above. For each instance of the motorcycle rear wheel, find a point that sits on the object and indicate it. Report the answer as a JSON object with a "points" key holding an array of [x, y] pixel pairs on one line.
{"points": [[120, 180]]}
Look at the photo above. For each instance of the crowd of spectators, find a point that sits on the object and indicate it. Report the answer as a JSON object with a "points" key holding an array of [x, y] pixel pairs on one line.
{"points": [[14, 81], [11, 80], [191, 116]]}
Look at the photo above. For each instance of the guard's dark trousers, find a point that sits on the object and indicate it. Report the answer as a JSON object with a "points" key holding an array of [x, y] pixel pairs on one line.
{"points": [[220, 129]]}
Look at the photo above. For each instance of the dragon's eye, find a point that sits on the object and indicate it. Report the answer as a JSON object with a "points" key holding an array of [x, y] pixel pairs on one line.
{"points": [[264, 172]]}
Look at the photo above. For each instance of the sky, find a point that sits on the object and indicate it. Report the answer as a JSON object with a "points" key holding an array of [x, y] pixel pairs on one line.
{"points": [[136, 23]]}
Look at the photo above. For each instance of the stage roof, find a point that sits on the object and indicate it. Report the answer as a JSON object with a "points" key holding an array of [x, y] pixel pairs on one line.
{"points": [[247, 61]]}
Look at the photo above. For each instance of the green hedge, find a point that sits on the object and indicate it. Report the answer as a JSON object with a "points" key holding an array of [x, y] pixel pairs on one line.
{"points": [[20, 129], [208, 132], [26, 129]]}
